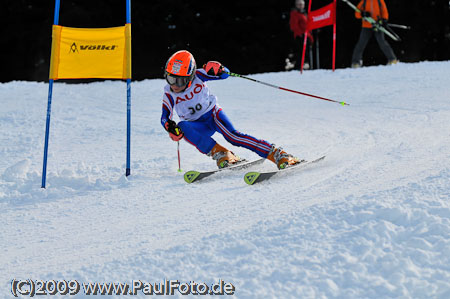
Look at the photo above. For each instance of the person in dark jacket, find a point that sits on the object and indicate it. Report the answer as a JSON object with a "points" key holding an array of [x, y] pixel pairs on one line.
{"points": [[297, 23], [378, 11]]}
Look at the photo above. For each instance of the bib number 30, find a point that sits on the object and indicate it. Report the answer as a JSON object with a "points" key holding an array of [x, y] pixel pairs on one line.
{"points": [[197, 107]]}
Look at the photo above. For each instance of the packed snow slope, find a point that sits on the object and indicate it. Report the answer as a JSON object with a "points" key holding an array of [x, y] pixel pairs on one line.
{"points": [[370, 221]]}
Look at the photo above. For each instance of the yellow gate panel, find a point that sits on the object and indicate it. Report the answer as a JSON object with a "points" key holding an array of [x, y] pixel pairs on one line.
{"points": [[91, 53]]}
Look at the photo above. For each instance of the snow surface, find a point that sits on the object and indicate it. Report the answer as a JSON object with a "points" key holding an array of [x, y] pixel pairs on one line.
{"points": [[370, 221]]}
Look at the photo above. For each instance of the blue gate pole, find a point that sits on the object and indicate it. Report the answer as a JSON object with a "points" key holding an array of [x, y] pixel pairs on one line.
{"points": [[128, 170], [128, 167], [49, 109]]}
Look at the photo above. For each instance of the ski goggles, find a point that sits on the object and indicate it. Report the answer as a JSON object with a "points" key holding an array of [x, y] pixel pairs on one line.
{"points": [[178, 80]]}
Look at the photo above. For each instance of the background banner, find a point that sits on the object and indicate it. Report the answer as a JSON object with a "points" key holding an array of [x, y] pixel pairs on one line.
{"points": [[322, 17]]}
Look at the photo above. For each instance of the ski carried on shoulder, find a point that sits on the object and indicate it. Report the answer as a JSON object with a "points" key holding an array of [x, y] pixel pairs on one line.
{"points": [[254, 177], [194, 176]]}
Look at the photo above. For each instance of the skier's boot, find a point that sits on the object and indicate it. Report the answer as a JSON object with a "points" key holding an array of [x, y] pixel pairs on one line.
{"points": [[393, 61], [357, 64], [281, 158], [223, 157]]}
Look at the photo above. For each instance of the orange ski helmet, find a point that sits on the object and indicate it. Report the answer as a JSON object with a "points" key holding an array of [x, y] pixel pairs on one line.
{"points": [[180, 69]]}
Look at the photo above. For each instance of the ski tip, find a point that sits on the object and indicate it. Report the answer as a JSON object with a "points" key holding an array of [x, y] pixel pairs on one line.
{"points": [[251, 177], [191, 176], [320, 158]]}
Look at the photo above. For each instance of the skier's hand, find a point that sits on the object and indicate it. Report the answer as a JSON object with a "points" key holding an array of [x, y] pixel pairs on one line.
{"points": [[365, 14], [382, 22], [174, 130], [214, 68]]}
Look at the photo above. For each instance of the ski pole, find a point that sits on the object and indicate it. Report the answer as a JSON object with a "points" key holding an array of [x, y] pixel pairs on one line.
{"points": [[286, 89], [179, 159], [399, 26]]}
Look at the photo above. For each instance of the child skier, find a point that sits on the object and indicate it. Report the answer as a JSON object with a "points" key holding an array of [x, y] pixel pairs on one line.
{"points": [[201, 116]]}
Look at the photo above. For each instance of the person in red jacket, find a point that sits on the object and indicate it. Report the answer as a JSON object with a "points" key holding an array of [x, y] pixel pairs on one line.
{"points": [[297, 22], [377, 10]]}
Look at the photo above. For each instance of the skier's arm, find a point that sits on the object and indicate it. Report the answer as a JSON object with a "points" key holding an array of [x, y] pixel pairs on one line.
{"points": [[293, 21], [167, 109], [358, 14], [164, 116], [384, 11], [169, 125], [212, 70]]}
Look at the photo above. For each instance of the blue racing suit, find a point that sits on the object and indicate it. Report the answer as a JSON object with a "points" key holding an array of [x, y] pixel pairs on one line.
{"points": [[201, 117]]}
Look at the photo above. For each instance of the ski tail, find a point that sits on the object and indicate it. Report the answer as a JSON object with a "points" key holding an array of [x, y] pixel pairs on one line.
{"points": [[254, 177], [193, 175]]}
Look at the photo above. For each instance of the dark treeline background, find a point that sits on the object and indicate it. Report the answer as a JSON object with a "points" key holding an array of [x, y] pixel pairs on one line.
{"points": [[247, 36]]}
